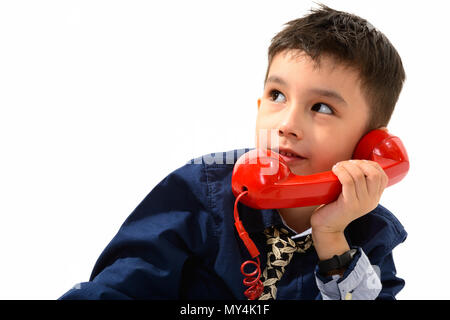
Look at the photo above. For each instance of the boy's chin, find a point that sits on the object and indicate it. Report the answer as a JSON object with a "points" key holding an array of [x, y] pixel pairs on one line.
{"points": [[299, 171], [304, 171]]}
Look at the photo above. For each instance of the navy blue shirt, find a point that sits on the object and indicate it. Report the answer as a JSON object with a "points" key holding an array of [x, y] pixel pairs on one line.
{"points": [[180, 243]]}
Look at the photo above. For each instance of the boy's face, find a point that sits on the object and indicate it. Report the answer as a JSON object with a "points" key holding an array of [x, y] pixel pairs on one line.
{"points": [[322, 127]]}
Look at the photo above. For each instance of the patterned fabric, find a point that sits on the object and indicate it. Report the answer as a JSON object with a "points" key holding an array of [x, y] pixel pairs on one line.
{"points": [[281, 250]]}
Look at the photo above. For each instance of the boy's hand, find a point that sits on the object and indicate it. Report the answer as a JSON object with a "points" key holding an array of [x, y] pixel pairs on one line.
{"points": [[363, 183]]}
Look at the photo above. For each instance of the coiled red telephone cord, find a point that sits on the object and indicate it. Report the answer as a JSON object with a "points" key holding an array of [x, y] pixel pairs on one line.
{"points": [[252, 279]]}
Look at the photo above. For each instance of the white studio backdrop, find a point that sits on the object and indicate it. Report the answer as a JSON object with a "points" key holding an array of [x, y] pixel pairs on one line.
{"points": [[100, 100]]}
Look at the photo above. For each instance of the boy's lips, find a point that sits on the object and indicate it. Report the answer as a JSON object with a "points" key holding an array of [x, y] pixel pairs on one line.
{"points": [[292, 160], [290, 155]]}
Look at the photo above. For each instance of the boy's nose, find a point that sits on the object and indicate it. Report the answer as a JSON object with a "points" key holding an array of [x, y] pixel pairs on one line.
{"points": [[290, 125], [288, 132]]}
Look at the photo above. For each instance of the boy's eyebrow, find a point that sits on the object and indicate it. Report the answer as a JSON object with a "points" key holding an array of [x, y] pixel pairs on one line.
{"points": [[322, 92]]}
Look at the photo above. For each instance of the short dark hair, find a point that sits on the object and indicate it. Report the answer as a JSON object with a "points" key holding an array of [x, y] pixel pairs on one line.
{"points": [[355, 43]]}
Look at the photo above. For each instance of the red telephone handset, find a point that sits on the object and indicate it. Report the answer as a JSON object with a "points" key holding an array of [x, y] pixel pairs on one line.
{"points": [[262, 180], [270, 183]]}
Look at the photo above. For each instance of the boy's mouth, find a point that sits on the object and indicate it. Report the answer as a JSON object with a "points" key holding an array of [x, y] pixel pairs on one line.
{"points": [[290, 159], [289, 155]]}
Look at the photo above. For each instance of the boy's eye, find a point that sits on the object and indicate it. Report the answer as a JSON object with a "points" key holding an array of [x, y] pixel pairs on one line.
{"points": [[322, 107], [275, 94]]}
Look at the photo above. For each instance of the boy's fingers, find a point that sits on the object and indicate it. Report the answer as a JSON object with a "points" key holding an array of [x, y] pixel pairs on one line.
{"points": [[374, 178], [381, 174], [359, 177], [348, 184], [362, 180]]}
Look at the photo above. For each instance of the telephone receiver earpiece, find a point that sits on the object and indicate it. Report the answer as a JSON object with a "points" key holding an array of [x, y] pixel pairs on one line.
{"points": [[270, 184]]}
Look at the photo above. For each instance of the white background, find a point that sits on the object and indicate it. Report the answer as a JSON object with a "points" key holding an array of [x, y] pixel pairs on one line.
{"points": [[100, 100]]}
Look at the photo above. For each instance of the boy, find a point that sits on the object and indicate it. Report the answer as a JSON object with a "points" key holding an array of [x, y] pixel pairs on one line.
{"points": [[331, 79]]}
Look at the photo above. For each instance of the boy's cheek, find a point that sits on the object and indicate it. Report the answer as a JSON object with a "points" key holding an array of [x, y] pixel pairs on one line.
{"points": [[319, 164]]}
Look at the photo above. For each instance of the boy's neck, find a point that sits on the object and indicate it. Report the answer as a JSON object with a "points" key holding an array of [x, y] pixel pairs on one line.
{"points": [[298, 219]]}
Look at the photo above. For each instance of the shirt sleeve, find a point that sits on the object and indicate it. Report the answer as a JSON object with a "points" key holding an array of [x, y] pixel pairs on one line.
{"points": [[361, 281], [147, 257]]}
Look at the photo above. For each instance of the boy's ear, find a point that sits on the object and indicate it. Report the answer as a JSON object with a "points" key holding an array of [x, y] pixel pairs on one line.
{"points": [[259, 102]]}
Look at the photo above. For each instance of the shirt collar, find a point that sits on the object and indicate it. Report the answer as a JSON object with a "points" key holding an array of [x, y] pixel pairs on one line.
{"points": [[256, 220]]}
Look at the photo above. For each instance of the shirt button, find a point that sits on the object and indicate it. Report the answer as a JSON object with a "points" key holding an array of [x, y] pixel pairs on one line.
{"points": [[348, 296]]}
